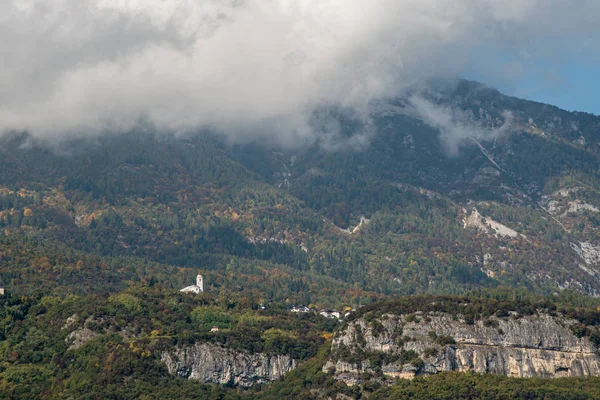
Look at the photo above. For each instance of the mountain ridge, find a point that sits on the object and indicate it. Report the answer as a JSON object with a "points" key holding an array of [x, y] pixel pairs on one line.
{"points": [[489, 216], [216, 200]]}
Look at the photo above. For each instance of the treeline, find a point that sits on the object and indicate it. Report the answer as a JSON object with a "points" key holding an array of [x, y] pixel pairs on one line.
{"points": [[130, 329], [500, 303], [453, 386]]}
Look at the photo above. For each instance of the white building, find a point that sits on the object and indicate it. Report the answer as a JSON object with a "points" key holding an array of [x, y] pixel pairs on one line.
{"points": [[197, 288], [330, 314], [301, 309]]}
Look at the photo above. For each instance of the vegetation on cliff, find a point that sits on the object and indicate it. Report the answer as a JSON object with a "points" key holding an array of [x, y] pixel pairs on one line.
{"points": [[131, 328]]}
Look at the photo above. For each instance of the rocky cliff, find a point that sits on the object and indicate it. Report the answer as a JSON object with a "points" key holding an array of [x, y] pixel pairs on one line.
{"points": [[214, 364], [427, 343]]}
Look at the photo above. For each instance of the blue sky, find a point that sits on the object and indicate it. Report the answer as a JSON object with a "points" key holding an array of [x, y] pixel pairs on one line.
{"points": [[576, 87], [571, 82]]}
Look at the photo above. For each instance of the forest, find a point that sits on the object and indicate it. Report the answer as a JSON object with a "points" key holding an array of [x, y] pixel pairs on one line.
{"points": [[108, 230], [132, 327]]}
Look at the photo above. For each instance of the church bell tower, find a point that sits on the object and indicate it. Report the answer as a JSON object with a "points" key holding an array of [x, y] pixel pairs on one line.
{"points": [[200, 282]]}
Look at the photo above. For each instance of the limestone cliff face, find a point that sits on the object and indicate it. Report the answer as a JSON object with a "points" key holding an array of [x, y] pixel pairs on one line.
{"points": [[539, 345], [214, 364]]}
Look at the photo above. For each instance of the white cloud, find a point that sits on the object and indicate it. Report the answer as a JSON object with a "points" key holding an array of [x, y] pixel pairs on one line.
{"points": [[248, 66], [457, 127]]}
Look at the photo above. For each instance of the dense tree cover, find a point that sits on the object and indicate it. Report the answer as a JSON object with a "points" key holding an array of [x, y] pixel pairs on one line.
{"points": [[86, 223], [132, 327], [451, 386], [309, 382], [152, 313], [158, 203]]}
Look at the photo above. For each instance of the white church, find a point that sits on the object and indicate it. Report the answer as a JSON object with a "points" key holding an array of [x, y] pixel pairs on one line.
{"points": [[197, 288]]}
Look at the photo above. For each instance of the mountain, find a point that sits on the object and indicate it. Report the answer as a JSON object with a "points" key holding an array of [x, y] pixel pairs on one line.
{"points": [[453, 189], [504, 192]]}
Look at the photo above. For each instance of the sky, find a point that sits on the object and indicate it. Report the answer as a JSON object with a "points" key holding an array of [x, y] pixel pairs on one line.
{"points": [[571, 83], [262, 67]]}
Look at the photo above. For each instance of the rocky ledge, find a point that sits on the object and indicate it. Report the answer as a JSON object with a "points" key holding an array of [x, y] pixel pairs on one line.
{"points": [[210, 363], [427, 343]]}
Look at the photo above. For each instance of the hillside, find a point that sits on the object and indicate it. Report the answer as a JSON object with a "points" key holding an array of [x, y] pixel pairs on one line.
{"points": [[453, 191], [505, 193], [152, 342]]}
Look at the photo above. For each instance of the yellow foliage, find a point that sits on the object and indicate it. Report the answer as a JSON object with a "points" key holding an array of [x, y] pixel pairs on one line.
{"points": [[273, 333], [27, 212], [134, 348]]}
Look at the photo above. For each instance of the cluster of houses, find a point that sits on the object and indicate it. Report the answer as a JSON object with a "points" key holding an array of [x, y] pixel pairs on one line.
{"points": [[199, 288], [332, 314]]}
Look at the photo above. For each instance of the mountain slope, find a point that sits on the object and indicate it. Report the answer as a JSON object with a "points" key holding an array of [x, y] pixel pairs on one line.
{"points": [[505, 192]]}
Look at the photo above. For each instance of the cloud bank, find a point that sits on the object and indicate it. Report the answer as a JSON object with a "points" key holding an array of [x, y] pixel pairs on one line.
{"points": [[251, 67]]}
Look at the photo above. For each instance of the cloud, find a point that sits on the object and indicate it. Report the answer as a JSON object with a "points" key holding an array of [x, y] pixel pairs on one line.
{"points": [[251, 67], [458, 127]]}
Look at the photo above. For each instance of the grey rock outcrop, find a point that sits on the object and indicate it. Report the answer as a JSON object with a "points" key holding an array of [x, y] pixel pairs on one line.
{"points": [[79, 337], [538, 345], [214, 364]]}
